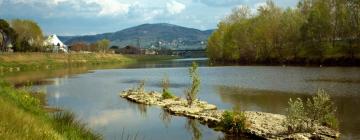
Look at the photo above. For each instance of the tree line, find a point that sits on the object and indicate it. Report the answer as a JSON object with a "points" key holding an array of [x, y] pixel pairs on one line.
{"points": [[314, 32], [98, 46], [23, 35], [27, 36]]}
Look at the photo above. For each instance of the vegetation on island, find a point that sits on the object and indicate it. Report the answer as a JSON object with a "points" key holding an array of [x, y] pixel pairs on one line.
{"points": [[165, 84], [191, 92], [22, 115], [234, 122], [314, 32], [306, 116]]}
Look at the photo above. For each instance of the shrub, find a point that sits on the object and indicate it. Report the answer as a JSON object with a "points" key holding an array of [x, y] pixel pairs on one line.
{"points": [[165, 83], [192, 91], [167, 94], [233, 122], [296, 116], [319, 110], [141, 87]]}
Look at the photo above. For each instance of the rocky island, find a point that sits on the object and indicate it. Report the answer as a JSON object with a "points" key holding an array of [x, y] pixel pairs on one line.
{"points": [[260, 124]]}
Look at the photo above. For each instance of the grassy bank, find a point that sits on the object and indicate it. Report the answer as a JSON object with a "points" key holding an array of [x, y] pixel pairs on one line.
{"points": [[35, 61], [13, 62], [147, 58], [22, 116]]}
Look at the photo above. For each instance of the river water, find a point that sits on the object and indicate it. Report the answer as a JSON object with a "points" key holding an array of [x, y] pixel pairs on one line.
{"points": [[93, 95]]}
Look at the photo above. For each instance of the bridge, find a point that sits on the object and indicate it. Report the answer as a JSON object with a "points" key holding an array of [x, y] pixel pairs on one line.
{"points": [[189, 52]]}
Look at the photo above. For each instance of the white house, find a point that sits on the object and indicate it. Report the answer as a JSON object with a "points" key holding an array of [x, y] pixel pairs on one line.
{"points": [[56, 44]]}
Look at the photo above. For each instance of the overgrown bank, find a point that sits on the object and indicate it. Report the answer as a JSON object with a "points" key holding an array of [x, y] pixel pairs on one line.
{"points": [[37, 61], [12, 62], [22, 116], [316, 32]]}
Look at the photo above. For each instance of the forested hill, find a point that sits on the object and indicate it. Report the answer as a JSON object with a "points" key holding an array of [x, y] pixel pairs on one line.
{"points": [[149, 34], [315, 32]]}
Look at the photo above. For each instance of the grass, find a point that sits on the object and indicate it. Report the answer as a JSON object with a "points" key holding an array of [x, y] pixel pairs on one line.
{"points": [[147, 58], [22, 116], [165, 83], [10, 62]]}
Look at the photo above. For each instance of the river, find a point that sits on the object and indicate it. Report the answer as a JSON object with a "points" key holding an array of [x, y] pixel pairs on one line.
{"points": [[93, 95]]}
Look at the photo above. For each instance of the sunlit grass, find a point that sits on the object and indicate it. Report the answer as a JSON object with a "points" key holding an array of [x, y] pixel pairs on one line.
{"points": [[22, 117]]}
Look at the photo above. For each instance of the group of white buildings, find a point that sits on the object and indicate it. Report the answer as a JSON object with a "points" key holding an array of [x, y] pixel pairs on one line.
{"points": [[52, 42], [55, 44]]}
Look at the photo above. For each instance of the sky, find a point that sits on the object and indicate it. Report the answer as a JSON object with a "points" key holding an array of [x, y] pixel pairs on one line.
{"points": [[87, 17]]}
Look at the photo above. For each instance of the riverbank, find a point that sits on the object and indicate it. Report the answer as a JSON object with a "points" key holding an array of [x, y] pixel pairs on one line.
{"points": [[326, 61], [23, 116], [14, 62], [261, 125]]}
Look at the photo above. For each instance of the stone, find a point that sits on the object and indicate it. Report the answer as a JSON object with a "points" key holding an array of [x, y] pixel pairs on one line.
{"points": [[261, 125]]}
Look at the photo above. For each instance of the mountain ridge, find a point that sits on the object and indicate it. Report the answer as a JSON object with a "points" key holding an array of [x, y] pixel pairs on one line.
{"points": [[146, 35]]}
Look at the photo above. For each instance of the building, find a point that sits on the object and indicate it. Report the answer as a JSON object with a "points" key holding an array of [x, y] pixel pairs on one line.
{"points": [[55, 44], [130, 50]]}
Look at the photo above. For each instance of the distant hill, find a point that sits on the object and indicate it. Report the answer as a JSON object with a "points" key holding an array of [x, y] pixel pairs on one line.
{"points": [[147, 35]]}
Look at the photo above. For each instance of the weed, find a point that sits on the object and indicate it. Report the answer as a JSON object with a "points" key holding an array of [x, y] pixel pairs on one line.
{"points": [[166, 93], [234, 122], [191, 92]]}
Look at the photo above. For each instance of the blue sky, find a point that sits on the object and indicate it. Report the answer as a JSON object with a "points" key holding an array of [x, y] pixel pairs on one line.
{"points": [[81, 17]]}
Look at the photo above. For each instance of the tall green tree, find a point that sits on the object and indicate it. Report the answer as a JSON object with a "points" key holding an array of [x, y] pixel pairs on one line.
{"points": [[30, 35], [103, 45], [7, 35], [317, 31]]}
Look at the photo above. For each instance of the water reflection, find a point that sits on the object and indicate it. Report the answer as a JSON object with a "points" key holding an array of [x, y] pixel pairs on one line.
{"points": [[37, 77], [193, 127], [141, 108], [166, 118], [107, 117]]}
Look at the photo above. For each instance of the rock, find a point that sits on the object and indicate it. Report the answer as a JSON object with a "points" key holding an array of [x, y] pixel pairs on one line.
{"points": [[265, 124], [261, 125]]}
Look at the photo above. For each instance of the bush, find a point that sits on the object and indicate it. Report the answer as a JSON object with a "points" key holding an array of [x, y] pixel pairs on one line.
{"points": [[319, 110], [233, 122], [296, 116], [167, 94], [141, 87], [192, 91], [165, 83]]}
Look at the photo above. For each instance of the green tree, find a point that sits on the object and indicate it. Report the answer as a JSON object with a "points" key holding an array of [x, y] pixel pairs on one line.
{"points": [[317, 31], [7, 35], [102, 45], [30, 35], [290, 35], [215, 47]]}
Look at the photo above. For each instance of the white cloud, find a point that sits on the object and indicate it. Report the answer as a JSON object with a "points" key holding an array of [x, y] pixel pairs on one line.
{"points": [[111, 7], [152, 14], [56, 2], [174, 7], [109, 116], [255, 8]]}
